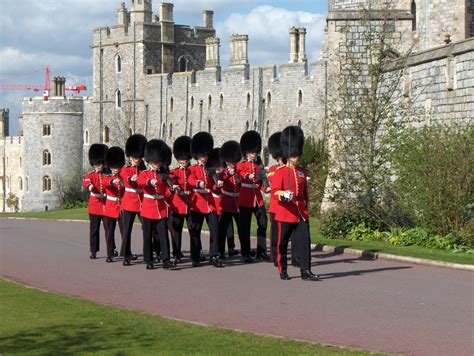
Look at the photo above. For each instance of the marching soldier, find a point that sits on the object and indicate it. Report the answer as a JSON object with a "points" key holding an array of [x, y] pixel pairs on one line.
{"points": [[289, 185], [93, 182], [113, 184], [154, 211], [132, 198], [230, 155], [250, 198], [202, 204]]}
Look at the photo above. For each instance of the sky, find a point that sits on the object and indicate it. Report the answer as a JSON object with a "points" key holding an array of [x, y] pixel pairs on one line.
{"points": [[57, 33]]}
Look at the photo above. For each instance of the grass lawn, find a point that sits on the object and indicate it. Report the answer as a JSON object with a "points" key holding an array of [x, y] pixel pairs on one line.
{"points": [[35, 322], [316, 237]]}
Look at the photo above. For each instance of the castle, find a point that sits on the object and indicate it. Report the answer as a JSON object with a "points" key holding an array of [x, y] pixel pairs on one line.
{"points": [[164, 80]]}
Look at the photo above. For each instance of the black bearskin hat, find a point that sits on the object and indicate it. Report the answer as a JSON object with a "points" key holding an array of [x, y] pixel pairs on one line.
{"points": [[115, 157], [157, 151], [135, 146], [274, 146], [182, 148], [230, 152], [292, 141], [97, 153], [250, 142], [214, 160], [202, 144]]}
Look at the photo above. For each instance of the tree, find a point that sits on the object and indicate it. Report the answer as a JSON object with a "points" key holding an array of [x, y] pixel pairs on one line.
{"points": [[13, 202]]}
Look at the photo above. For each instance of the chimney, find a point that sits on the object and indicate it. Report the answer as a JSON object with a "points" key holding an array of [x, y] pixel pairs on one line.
{"points": [[302, 45], [56, 86], [122, 15], [212, 52], [141, 11], [293, 45], [238, 50], [207, 16]]}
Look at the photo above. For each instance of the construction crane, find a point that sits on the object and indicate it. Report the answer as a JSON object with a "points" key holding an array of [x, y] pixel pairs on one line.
{"points": [[46, 87]]}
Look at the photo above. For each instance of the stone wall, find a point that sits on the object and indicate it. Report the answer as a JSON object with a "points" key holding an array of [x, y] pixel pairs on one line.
{"points": [[12, 177]]}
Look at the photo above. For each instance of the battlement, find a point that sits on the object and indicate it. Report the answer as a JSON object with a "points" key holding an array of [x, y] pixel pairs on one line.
{"points": [[54, 105]]}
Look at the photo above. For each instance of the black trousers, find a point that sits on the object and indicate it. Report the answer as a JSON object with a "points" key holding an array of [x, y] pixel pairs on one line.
{"points": [[301, 238], [109, 224], [226, 230], [94, 232], [175, 227], [274, 241], [155, 230], [245, 224], [127, 218], [197, 220]]}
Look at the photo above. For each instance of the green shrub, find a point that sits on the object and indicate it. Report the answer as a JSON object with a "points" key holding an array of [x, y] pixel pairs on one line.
{"points": [[466, 234]]}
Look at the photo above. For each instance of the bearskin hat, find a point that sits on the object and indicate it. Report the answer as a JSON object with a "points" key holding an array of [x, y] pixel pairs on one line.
{"points": [[157, 151], [168, 156], [250, 142], [292, 141], [97, 153], [202, 144], [274, 146], [182, 148], [115, 157], [214, 160], [135, 146], [230, 152]]}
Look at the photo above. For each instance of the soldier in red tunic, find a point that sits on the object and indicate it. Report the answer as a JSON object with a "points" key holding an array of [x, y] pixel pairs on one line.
{"points": [[132, 197], [154, 211], [289, 185], [230, 155], [202, 203], [251, 201], [113, 184], [180, 200], [93, 182]]}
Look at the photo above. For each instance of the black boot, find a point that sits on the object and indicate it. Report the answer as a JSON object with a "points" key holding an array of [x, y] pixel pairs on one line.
{"points": [[262, 255], [247, 259], [93, 256], [115, 253], [215, 261], [150, 265], [169, 264], [307, 275], [134, 257], [233, 252], [202, 258], [126, 262], [109, 259], [196, 263], [284, 276]]}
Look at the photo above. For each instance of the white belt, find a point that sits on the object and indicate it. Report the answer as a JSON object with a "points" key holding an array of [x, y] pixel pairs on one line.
{"points": [[230, 194], [250, 185], [156, 197], [185, 193], [131, 190], [202, 190], [113, 198], [216, 195], [97, 195]]}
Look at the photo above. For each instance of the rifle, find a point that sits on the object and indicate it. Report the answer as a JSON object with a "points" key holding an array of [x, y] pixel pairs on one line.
{"points": [[212, 173], [165, 176], [262, 174]]}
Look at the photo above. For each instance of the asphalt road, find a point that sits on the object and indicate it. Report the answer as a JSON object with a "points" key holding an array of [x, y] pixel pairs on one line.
{"points": [[375, 305]]}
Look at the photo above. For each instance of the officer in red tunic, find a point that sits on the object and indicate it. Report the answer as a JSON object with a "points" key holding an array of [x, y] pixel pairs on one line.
{"points": [[230, 155], [250, 198], [289, 185], [182, 193], [154, 211], [93, 182], [113, 184], [202, 203], [132, 197]]}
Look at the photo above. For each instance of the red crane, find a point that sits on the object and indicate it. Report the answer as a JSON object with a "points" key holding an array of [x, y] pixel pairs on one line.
{"points": [[46, 88]]}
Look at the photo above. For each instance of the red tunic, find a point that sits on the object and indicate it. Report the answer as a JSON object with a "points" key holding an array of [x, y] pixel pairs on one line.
{"points": [[201, 200], [230, 193], [97, 194], [154, 205], [181, 199], [114, 196], [273, 198], [132, 197], [250, 189], [291, 211]]}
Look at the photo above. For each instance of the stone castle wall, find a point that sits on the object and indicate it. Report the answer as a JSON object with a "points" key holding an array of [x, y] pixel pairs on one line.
{"points": [[12, 177]]}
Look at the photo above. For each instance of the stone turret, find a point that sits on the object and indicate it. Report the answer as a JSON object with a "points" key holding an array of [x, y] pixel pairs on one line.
{"points": [[123, 17], [239, 50], [167, 37], [212, 52], [141, 11], [297, 45], [4, 122]]}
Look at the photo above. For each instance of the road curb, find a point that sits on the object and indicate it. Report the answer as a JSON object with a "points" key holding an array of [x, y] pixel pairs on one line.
{"points": [[335, 250]]}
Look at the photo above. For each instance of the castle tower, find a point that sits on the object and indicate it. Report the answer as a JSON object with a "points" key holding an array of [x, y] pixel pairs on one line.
{"points": [[167, 37], [239, 50], [4, 122], [141, 11], [212, 52], [123, 16]]}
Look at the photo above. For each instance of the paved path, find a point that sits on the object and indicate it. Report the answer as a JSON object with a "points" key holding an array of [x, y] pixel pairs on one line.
{"points": [[375, 305]]}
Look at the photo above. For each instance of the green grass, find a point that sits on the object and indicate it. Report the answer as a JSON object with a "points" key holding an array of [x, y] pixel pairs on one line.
{"points": [[35, 322], [316, 237]]}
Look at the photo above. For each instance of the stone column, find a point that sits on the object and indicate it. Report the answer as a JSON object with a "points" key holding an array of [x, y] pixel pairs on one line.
{"points": [[212, 52], [238, 50], [302, 45], [293, 45], [207, 17]]}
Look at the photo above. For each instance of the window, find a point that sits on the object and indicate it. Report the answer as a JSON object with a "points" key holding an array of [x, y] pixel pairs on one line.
{"points": [[182, 64], [300, 97], [26, 184], [47, 130], [255, 125], [118, 63], [171, 130], [130, 132], [171, 104], [209, 126], [269, 99], [46, 158], [86, 137], [299, 123], [247, 105], [191, 129], [246, 126], [221, 101], [149, 71], [192, 102], [46, 184], [209, 102], [413, 12], [20, 162], [106, 134], [163, 132], [118, 99], [267, 128], [20, 183]]}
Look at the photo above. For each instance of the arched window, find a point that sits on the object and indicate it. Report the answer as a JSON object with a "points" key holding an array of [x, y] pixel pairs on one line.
{"points": [[267, 128], [118, 63], [192, 102], [413, 13], [300, 97], [163, 132], [299, 123], [182, 64], [247, 105], [171, 130], [118, 99], [246, 126], [191, 129], [20, 161], [209, 126], [106, 134], [46, 158], [26, 184], [86, 137], [269, 99], [255, 125], [171, 104], [20, 183], [46, 184], [209, 102], [221, 101]]}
